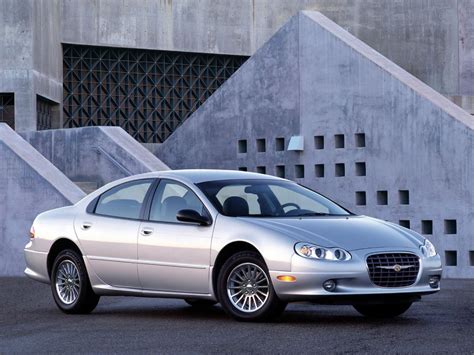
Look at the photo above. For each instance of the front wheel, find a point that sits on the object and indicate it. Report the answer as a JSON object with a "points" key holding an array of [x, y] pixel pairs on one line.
{"points": [[70, 284], [245, 290], [382, 310]]}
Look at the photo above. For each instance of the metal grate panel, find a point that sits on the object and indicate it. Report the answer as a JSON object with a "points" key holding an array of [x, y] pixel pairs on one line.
{"points": [[394, 269], [146, 92]]}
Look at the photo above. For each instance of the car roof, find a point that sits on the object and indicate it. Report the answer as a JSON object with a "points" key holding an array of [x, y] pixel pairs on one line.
{"points": [[197, 176]]}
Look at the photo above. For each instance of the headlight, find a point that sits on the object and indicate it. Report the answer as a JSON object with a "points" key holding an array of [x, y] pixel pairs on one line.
{"points": [[428, 249], [312, 251]]}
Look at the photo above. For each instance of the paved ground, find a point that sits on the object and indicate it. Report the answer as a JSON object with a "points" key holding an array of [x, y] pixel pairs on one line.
{"points": [[30, 322]]}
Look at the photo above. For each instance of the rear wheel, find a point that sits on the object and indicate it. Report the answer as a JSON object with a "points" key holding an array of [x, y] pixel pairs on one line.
{"points": [[200, 303], [382, 310], [245, 290], [70, 284]]}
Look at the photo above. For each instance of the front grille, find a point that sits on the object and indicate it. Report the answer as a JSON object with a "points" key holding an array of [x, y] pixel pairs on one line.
{"points": [[383, 269]]}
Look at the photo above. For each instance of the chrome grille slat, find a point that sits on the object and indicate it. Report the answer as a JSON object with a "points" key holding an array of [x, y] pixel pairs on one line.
{"points": [[388, 277]]}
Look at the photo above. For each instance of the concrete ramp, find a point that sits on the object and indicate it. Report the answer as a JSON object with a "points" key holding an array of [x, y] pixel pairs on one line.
{"points": [[94, 156], [376, 138], [29, 185]]}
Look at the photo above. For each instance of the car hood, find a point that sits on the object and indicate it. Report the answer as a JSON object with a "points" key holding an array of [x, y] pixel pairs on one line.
{"points": [[348, 232]]}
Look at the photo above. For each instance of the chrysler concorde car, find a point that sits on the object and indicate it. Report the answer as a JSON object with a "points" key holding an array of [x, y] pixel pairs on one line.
{"points": [[249, 241]]}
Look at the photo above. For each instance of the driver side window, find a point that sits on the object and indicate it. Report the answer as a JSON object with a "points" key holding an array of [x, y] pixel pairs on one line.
{"points": [[170, 198]]}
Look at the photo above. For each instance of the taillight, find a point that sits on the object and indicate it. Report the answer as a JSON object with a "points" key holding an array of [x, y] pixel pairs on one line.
{"points": [[32, 232]]}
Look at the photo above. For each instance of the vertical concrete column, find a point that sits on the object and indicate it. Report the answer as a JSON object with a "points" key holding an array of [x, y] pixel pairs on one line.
{"points": [[25, 109]]}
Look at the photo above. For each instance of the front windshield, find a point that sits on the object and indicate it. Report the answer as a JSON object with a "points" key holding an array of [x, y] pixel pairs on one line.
{"points": [[267, 198]]}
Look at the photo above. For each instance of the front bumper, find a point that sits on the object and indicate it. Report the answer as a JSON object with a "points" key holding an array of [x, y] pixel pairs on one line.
{"points": [[352, 279]]}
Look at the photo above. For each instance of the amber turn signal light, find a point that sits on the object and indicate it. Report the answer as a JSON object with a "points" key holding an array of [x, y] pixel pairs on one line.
{"points": [[32, 232], [286, 278]]}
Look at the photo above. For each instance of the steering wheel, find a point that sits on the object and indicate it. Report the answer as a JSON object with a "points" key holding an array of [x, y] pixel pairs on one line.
{"points": [[290, 204]]}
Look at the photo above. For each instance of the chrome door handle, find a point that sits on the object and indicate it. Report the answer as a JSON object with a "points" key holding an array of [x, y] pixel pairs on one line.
{"points": [[147, 231], [86, 225]]}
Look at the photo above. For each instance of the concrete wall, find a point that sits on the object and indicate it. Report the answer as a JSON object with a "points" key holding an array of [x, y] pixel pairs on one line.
{"points": [[416, 140], [432, 39], [29, 185], [31, 55], [466, 47], [94, 154]]}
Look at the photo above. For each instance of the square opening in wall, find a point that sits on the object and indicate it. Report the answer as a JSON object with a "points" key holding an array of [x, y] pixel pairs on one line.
{"points": [[319, 170], [382, 197], [404, 197], [319, 142], [471, 258], [360, 169], [242, 168], [299, 171], [261, 146], [280, 144], [360, 140], [280, 171], [404, 223], [451, 257], [450, 226], [426, 226], [361, 198], [339, 169], [339, 141], [7, 109], [242, 146], [261, 170]]}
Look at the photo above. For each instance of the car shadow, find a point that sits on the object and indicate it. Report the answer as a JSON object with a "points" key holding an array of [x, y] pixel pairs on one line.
{"points": [[310, 315]]}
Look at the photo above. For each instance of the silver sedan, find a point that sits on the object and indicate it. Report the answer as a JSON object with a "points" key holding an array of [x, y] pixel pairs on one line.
{"points": [[251, 242]]}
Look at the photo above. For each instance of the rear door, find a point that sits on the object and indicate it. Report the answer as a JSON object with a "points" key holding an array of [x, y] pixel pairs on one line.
{"points": [[172, 255], [108, 235]]}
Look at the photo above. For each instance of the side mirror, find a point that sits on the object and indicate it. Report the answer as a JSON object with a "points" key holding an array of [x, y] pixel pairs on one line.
{"points": [[193, 216]]}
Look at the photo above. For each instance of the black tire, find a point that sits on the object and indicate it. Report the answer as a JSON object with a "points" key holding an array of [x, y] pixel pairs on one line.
{"points": [[270, 309], [382, 310], [86, 300], [197, 303]]}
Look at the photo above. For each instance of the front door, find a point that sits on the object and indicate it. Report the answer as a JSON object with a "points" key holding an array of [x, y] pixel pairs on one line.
{"points": [[172, 255], [108, 236]]}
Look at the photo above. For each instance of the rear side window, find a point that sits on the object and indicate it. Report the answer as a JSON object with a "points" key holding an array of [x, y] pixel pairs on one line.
{"points": [[125, 200]]}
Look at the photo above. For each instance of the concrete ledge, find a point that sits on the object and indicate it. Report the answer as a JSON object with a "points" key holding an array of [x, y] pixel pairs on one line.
{"points": [[94, 154]]}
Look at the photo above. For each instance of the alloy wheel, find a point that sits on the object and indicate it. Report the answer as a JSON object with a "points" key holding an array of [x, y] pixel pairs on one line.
{"points": [[248, 287], [68, 282]]}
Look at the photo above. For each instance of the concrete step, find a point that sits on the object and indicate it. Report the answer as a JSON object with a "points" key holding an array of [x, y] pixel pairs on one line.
{"points": [[87, 186]]}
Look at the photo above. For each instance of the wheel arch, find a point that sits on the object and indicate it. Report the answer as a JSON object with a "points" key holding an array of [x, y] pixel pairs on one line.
{"points": [[225, 253], [58, 246]]}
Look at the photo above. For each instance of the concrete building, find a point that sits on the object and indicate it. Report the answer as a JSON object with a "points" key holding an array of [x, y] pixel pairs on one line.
{"points": [[91, 45], [360, 108]]}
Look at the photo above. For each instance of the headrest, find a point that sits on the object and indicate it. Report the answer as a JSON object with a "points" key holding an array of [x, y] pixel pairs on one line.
{"points": [[236, 206]]}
